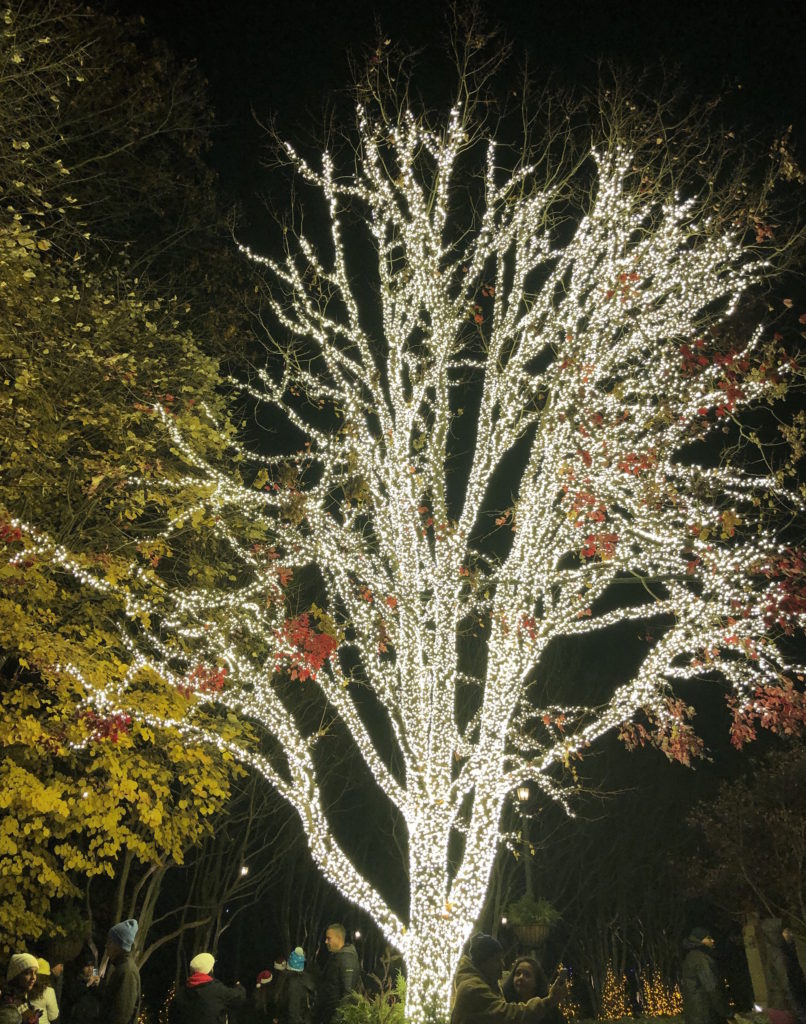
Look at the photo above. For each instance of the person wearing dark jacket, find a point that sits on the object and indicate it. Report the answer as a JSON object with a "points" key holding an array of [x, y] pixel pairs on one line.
{"points": [[120, 992], [341, 975], [299, 995], [704, 1000], [477, 997], [794, 975], [204, 999], [81, 995]]}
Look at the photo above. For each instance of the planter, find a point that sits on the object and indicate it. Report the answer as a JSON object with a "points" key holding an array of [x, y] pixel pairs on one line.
{"points": [[531, 934], [63, 949]]}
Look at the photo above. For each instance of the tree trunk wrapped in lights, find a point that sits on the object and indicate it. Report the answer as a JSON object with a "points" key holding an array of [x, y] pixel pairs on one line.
{"points": [[501, 425]]}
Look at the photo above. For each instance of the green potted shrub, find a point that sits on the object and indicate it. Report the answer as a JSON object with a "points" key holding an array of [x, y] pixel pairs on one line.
{"points": [[532, 918]]}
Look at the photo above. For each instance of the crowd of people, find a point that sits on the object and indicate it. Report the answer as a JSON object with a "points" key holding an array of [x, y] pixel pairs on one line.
{"points": [[36, 990], [288, 993], [39, 992], [525, 997]]}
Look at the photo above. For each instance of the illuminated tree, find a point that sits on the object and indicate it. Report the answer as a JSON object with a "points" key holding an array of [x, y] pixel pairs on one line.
{"points": [[502, 427]]}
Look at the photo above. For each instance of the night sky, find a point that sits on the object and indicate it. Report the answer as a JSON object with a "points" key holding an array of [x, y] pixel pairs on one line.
{"points": [[288, 60]]}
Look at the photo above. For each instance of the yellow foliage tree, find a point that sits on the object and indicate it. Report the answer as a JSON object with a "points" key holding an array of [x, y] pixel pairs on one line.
{"points": [[82, 369]]}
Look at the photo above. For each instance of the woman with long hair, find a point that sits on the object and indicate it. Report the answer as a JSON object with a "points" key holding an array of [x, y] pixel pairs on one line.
{"points": [[42, 996], [527, 980]]}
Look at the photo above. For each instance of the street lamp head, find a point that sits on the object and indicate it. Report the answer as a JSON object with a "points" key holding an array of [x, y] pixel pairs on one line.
{"points": [[522, 793]]}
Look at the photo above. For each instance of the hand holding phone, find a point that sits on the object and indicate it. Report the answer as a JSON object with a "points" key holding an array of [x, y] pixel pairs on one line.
{"points": [[559, 986]]}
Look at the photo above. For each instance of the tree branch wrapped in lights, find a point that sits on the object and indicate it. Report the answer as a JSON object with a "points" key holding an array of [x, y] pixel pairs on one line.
{"points": [[583, 367]]}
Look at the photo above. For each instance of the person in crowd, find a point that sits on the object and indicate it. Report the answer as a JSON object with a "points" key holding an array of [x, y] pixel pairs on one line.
{"points": [[300, 991], [794, 975], [120, 991], [54, 954], [42, 996], [526, 980], [81, 997], [20, 979], [204, 999], [276, 997], [341, 975], [260, 1008], [477, 996], [704, 999], [779, 1005]]}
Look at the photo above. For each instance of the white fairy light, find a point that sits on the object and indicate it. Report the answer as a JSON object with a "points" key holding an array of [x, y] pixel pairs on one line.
{"points": [[604, 494]]}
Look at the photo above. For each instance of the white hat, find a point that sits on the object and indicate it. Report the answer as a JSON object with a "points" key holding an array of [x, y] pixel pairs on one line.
{"points": [[203, 963], [20, 962]]}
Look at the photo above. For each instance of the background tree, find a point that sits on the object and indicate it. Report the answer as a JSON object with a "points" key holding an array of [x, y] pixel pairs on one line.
{"points": [[87, 350], [235, 869], [506, 374], [80, 785], [613, 879], [752, 840], [108, 133]]}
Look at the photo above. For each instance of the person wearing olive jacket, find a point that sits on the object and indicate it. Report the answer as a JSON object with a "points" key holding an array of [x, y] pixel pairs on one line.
{"points": [[120, 991], [204, 999], [704, 999], [477, 997]]}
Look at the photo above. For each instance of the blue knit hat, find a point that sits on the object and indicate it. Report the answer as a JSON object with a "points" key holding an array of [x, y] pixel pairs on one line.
{"points": [[296, 959], [123, 933]]}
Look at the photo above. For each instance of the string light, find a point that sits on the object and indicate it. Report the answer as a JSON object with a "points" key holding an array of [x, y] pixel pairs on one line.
{"points": [[609, 490], [659, 998], [615, 1003]]}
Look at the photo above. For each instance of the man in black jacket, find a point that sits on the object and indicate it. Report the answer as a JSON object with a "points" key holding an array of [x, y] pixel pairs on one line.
{"points": [[704, 999], [204, 999], [341, 975]]}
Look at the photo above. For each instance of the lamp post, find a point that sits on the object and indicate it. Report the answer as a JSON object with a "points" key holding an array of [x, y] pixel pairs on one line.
{"points": [[523, 794]]}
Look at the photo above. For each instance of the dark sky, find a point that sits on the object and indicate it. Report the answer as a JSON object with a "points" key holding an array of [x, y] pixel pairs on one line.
{"points": [[289, 58]]}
